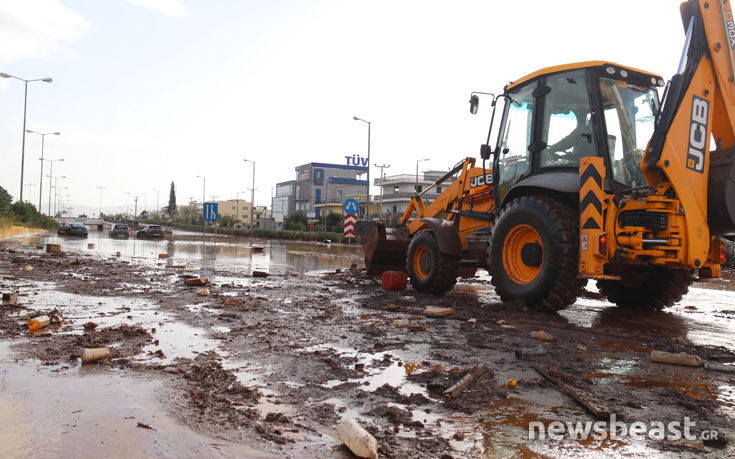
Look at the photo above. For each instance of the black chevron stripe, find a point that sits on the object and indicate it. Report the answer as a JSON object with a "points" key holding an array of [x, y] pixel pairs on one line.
{"points": [[590, 224], [591, 198], [591, 171]]}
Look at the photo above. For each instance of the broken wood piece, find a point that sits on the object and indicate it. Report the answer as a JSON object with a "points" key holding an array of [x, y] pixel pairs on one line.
{"points": [[676, 359], [542, 336], [260, 274], [194, 281], [592, 403], [10, 298], [436, 311], [468, 379], [233, 302], [403, 323], [719, 367], [392, 306], [53, 248]]}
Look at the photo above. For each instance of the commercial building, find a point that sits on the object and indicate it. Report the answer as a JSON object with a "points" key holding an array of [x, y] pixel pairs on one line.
{"points": [[317, 185], [396, 190], [240, 209]]}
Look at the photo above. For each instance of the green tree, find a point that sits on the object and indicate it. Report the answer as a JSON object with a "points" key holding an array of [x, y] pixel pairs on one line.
{"points": [[227, 221], [172, 201], [5, 201], [295, 222]]}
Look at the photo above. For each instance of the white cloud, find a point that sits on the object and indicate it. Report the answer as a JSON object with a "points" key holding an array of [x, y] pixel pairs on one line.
{"points": [[33, 29], [168, 7]]}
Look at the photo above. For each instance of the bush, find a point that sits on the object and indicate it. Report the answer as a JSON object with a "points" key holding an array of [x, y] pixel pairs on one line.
{"points": [[23, 213]]}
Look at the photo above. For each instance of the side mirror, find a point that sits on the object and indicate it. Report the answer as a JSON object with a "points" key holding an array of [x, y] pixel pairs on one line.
{"points": [[485, 151], [474, 102]]}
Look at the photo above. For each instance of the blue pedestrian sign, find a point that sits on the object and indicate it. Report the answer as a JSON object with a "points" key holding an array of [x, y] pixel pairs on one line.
{"points": [[210, 211], [351, 207]]}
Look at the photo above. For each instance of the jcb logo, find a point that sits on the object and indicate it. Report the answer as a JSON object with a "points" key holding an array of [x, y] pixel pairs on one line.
{"points": [[698, 134], [479, 180], [730, 27]]}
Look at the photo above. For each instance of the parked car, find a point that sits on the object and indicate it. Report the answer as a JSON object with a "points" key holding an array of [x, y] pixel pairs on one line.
{"points": [[63, 229], [77, 229], [150, 231], [119, 231]]}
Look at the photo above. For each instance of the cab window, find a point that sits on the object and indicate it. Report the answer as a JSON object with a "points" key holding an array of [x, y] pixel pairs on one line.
{"points": [[515, 137]]}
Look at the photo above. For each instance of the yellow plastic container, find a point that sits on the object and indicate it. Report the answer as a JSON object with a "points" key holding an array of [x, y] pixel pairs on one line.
{"points": [[39, 322]]}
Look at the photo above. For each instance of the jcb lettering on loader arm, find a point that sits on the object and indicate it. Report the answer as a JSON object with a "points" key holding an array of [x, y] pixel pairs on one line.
{"points": [[697, 134]]}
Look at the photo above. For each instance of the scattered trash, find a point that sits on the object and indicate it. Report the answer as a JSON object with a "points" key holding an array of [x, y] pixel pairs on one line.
{"points": [[27, 269], [525, 352], [163, 255], [90, 246], [90, 325], [144, 426], [93, 282], [53, 248], [56, 319], [357, 439], [676, 359], [258, 249], [403, 323], [512, 383], [95, 353], [10, 298], [117, 254], [468, 379], [582, 347], [392, 306], [436, 311], [394, 280], [233, 302], [543, 336], [203, 292], [194, 281], [260, 274], [595, 405], [719, 367], [39, 322]]}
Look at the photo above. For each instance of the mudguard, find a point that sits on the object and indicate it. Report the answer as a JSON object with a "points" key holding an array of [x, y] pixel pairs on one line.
{"points": [[446, 236]]}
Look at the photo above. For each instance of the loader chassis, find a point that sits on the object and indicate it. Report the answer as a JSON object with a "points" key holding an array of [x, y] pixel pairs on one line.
{"points": [[590, 179]]}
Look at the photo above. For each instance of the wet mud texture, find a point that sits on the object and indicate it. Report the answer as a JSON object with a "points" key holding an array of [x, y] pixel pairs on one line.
{"points": [[296, 354]]}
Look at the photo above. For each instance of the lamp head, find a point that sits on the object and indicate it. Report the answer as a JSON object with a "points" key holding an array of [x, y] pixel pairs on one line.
{"points": [[47, 80], [4, 75]]}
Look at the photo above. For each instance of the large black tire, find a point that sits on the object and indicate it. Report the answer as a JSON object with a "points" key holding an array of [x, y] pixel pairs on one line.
{"points": [[533, 253], [428, 269], [647, 287], [729, 253]]}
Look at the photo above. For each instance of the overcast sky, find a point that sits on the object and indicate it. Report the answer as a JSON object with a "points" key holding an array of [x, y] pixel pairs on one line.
{"points": [[147, 92]]}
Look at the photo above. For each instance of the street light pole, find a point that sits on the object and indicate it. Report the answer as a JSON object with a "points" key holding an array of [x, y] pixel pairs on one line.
{"points": [[382, 178], [204, 191], [51, 174], [158, 201], [100, 188], [252, 195], [25, 106], [416, 187], [43, 139], [367, 195]]}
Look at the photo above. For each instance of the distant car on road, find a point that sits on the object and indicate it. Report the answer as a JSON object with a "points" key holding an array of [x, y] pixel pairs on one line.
{"points": [[119, 231], [63, 229], [150, 232], [76, 229]]}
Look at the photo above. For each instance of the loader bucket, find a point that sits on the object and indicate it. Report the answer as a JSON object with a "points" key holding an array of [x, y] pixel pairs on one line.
{"points": [[385, 249], [721, 193]]}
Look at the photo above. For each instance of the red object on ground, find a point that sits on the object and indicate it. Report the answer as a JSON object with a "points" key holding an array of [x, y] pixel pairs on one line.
{"points": [[394, 280]]}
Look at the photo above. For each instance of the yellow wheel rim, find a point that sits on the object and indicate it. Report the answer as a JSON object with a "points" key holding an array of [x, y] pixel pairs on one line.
{"points": [[422, 262], [519, 237]]}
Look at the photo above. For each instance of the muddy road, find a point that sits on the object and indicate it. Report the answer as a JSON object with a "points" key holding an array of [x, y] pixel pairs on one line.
{"points": [[268, 366]]}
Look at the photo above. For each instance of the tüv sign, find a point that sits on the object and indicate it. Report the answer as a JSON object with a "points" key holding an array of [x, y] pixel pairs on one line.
{"points": [[356, 160]]}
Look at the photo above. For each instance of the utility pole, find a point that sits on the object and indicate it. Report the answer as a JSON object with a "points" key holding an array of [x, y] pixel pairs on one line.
{"points": [[252, 195], [382, 178], [136, 207]]}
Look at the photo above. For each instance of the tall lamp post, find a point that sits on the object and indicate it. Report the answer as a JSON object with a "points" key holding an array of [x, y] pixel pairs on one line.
{"points": [[382, 177], [43, 139], [25, 106], [252, 195], [367, 195], [51, 174], [100, 188], [204, 190], [416, 187], [158, 201]]}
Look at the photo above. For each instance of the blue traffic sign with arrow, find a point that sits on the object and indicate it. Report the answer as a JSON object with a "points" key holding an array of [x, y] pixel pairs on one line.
{"points": [[351, 207]]}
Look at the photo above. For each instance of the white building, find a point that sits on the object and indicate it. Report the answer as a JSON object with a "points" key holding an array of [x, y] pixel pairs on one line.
{"points": [[396, 190]]}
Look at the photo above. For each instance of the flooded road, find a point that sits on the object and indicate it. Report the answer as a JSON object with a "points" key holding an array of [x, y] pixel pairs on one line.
{"points": [[268, 366]]}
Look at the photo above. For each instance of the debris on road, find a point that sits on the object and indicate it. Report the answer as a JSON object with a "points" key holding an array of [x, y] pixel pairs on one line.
{"points": [[260, 274], [542, 336], [591, 402], [357, 439], [38, 323], [394, 280], [403, 323], [468, 379], [203, 292], [436, 311], [531, 351], [232, 302], [53, 248], [97, 353], [163, 255], [10, 298], [196, 281], [90, 325], [676, 359], [719, 367], [144, 426]]}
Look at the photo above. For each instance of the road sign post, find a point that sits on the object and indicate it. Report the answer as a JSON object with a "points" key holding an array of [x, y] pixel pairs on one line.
{"points": [[351, 207], [350, 220], [209, 214]]}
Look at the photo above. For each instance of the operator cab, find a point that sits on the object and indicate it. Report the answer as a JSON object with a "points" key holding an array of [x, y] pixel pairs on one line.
{"points": [[554, 117]]}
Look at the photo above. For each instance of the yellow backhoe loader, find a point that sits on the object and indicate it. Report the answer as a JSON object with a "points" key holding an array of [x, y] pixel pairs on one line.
{"points": [[591, 177]]}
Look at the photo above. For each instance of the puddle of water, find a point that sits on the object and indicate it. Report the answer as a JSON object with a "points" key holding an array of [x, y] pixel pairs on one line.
{"points": [[88, 412]]}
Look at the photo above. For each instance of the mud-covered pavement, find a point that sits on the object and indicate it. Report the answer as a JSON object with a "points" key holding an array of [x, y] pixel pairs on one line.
{"points": [[268, 366]]}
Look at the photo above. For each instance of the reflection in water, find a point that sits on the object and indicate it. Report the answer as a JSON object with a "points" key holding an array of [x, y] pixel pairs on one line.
{"points": [[229, 252]]}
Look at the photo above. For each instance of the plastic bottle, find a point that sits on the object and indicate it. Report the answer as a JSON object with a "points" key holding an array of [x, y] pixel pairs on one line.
{"points": [[95, 353], [357, 439], [39, 322]]}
